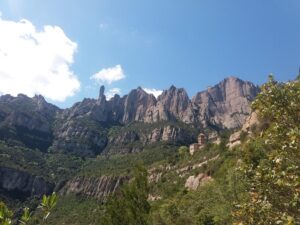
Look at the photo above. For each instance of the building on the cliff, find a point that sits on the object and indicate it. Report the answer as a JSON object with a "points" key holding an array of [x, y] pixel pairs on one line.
{"points": [[193, 148], [197, 146]]}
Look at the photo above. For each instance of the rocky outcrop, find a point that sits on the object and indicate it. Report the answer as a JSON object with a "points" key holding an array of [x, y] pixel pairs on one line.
{"points": [[20, 185], [136, 104], [226, 105], [96, 187], [250, 123], [193, 182], [172, 105], [28, 120], [234, 139]]}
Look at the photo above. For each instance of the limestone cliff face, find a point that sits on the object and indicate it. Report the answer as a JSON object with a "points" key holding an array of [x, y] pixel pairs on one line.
{"points": [[226, 105], [172, 105], [19, 184], [84, 128], [136, 105], [96, 187]]}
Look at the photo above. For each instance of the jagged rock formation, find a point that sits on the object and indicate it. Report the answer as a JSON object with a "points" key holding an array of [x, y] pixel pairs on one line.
{"points": [[20, 185], [172, 105], [84, 128], [247, 129], [96, 187], [226, 105]]}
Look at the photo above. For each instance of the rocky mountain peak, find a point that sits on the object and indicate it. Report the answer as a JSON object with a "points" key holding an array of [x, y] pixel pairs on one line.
{"points": [[172, 105], [101, 91], [6, 98], [136, 104], [172, 88], [102, 97], [227, 104], [40, 101], [139, 88]]}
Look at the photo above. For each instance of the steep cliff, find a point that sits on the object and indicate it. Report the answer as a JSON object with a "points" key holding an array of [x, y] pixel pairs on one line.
{"points": [[96, 187], [225, 105], [27, 120], [20, 185], [172, 105]]}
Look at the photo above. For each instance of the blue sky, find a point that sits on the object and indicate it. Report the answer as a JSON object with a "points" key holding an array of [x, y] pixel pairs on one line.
{"points": [[191, 44]]}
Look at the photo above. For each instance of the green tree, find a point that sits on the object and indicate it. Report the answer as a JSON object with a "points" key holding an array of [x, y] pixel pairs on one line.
{"points": [[131, 206], [47, 205], [273, 171], [5, 214]]}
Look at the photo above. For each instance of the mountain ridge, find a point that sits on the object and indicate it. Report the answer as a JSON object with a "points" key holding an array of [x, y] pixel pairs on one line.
{"points": [[84, 128]]}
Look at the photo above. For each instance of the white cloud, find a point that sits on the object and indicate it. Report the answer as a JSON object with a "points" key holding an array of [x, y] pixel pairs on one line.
{"points": [[153, 91], [109, 75], [36, 61], [111, 93]]}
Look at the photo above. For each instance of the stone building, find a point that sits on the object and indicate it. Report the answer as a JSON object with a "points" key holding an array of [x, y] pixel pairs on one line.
{"points": [[197, 146], [201, 139]]}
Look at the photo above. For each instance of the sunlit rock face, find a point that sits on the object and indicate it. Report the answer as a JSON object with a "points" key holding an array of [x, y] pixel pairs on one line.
{"points": [[96, 187], [225, 105]]}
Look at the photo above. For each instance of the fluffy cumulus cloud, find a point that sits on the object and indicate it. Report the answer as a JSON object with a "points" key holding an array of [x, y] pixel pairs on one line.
{"points": [[111, 93], [36, 61], [153, 91], [109, 75]]}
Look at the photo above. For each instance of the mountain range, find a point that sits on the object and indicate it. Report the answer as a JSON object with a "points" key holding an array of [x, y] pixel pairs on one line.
{"points": [[125, 124]]}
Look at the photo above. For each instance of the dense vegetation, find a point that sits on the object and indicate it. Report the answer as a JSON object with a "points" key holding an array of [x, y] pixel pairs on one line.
{"points": [[272, 158]]}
